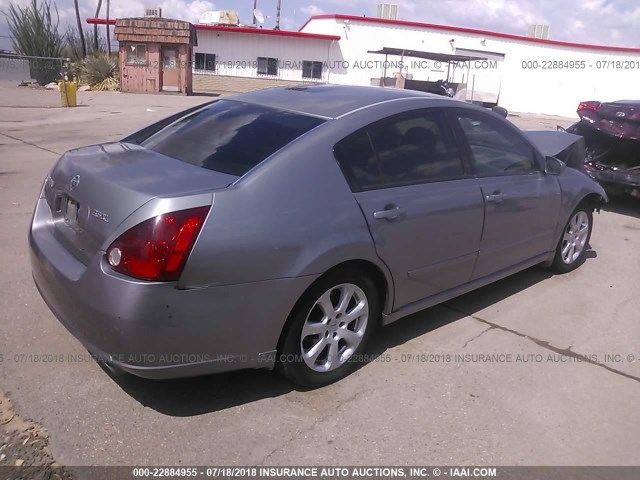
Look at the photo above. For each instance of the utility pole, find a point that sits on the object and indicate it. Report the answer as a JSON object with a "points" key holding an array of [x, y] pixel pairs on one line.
{"points": [[83, 45], [108, 31], [96, 42], [278, 15], [255, 6]]}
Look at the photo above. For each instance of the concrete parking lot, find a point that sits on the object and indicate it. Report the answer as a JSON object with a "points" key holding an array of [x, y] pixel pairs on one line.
{"points": [[433, 398]]}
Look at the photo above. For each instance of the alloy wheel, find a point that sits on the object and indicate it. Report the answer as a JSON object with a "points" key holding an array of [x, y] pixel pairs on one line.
{"points": [[334, 327], [575, 237]]}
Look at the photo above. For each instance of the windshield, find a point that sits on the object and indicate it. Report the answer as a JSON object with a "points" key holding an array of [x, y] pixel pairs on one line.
{"points": [[230, 137]]}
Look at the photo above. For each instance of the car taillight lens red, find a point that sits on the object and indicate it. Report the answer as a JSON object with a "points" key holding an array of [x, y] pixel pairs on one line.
{"points": [[589, 106], [157, 249]]}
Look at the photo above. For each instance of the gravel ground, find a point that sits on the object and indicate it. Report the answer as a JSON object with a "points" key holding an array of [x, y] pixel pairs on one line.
{"points": [[25, 444]]}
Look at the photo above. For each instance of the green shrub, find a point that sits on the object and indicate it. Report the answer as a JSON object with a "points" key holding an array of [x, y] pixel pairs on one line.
{"points": [[100, 71], [35, 33]]}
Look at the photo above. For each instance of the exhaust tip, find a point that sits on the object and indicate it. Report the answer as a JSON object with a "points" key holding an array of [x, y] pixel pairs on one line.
{"points": [[111, 369]]}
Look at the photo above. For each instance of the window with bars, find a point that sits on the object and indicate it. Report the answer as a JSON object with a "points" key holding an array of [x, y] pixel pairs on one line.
{"points": [[267, 66], [312, 69], [206, 62]]}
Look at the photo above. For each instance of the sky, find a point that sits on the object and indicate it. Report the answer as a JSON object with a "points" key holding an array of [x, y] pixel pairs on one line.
{"points": [[603, 22]]}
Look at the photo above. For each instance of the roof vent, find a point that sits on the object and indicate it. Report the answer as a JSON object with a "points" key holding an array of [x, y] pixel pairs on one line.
{"points": [[153, 12], [387, 11], [538, 31]]}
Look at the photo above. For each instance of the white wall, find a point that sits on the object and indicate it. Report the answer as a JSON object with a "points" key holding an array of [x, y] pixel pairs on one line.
{"points": [[550, 91], [237, 53]]}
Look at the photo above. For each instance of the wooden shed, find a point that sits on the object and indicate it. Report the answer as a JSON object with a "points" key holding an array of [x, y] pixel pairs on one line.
{"points": [[155, 54]]}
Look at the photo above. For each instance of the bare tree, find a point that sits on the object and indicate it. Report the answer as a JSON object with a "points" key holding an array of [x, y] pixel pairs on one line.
{"points": [[96, 41], [82, 42]]}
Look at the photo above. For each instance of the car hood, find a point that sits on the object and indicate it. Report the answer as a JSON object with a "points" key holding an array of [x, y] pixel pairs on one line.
{"points": [[565, 146]]}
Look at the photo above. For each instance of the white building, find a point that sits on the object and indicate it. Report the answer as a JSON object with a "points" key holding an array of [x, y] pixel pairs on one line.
{"points": [[239, 58], [520, 73], [530, 74]]}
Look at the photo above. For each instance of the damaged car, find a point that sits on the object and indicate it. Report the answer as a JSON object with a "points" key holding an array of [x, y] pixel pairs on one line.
{"points": [[611, 132], [280, 228]]}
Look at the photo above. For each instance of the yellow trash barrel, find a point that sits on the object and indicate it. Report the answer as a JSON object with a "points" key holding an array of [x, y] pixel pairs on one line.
{"points": [[68, 91]]}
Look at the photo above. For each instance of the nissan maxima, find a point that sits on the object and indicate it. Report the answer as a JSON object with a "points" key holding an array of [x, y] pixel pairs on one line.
{"points": [[281, 228]]}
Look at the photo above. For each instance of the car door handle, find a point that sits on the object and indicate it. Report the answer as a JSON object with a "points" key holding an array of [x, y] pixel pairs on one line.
{"points": [[495, 197], [390, 212]]}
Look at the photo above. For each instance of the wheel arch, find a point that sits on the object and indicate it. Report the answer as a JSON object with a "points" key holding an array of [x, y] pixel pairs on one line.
{"points": [[382, 280], [592, 200], [383, 283]]}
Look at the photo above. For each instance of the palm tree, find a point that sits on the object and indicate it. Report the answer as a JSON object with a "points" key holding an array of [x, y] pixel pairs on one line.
{"points": [[96, 43], [82, 43]]}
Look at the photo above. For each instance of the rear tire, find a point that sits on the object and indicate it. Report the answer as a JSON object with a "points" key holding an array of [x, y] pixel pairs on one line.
{"points": [[573, 245], [329, 329]]}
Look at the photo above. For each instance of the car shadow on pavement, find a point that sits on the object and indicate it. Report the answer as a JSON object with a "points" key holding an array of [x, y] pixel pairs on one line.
{"points": [[624, 205], [189, 397], [455, 309], [201, 395]]}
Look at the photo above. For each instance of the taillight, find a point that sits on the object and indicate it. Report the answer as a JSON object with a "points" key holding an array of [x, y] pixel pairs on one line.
{"points": [[157, 249], [589, 106]]}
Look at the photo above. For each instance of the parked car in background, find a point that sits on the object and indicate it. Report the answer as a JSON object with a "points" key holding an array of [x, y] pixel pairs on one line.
{"points": [[280, 228], [619, 119], [612, 136]]}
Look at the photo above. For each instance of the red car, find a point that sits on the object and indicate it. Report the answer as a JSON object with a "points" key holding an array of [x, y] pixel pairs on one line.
{"points": [[612, 139], [618, 119]]}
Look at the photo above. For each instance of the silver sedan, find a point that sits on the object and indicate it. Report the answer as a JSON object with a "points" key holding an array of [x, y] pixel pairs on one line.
{"points": [[280, 228]]}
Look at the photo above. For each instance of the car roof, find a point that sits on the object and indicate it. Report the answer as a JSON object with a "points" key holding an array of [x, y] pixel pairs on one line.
{"points": [[328, 101]]}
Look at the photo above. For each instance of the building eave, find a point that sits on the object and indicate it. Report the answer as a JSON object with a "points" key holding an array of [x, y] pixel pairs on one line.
{"points": [[238, 29], [263, 31], [485, 33]]}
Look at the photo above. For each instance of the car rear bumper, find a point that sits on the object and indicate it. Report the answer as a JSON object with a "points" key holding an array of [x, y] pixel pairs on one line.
{"points": [[155, 330]]}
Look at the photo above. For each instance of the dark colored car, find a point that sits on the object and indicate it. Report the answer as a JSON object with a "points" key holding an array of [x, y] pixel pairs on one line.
{"points": [[612, 144], [279, 228], [620, 119]]}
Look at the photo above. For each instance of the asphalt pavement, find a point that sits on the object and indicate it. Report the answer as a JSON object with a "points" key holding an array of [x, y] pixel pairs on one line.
{"points": [[534, 370]]}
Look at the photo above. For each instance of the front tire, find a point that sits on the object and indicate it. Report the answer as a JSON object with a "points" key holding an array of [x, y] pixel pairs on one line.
{"points": [[572, 247], [329, 329]]}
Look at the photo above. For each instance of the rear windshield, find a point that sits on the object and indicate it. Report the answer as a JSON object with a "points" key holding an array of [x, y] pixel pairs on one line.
{"points": [[230, 137]]}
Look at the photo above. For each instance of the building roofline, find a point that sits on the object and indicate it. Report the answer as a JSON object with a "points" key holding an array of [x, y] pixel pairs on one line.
{"points": [[237, 29], [487, 33], [264, 31]]}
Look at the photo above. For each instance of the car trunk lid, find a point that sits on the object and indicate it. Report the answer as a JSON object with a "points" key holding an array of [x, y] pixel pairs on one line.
{"points": [[92, 190], [623, 110]]}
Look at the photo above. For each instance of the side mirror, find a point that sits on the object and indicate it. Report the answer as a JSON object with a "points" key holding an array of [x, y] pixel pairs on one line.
{"points": [[554, 166], [500, 111]]}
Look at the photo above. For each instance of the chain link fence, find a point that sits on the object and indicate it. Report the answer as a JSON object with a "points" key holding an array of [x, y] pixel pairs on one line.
{"points": [[28, 69]]}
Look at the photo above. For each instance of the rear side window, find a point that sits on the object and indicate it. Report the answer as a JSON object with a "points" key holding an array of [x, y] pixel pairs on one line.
{"points": [[359, 163], [496, 150], [403, 150], [230, 137]]}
